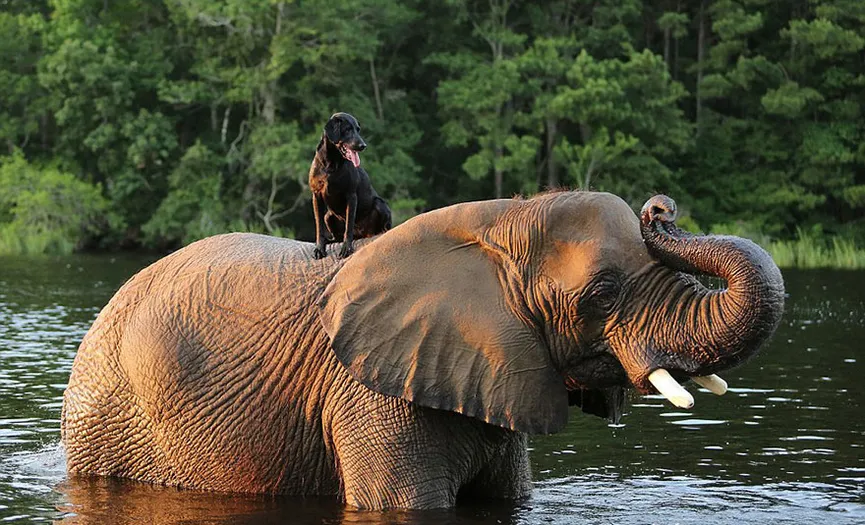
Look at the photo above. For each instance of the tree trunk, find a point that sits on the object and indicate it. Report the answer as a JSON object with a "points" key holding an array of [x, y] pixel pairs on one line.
{"points": [[497, 172], [675, 59], [268, 92], [667, 47], [701, 50], [586, 136], [552, 174], [225, 121], [43, 130], [268, 107], [375, 89]]}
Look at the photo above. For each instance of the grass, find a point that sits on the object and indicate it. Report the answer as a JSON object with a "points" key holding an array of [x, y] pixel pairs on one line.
{"points": [[12, 242], [809, 251]]}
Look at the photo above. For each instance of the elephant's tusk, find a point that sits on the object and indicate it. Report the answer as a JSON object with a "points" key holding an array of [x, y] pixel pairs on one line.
{"points": [[671, 389], [712, 383]]}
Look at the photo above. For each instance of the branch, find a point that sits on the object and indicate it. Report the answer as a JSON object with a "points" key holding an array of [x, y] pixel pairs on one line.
{"points": [[26, 141], [240, 133], [300, 199], [270, 215], [211, 21], [279, 14]]}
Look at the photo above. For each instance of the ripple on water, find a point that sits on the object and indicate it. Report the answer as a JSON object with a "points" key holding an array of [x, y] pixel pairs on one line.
{"points": [[693, 422], [34, 472], [678, 499]]}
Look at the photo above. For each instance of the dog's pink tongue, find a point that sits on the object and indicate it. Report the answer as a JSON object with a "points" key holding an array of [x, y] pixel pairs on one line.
{"points": [[354, 157]]}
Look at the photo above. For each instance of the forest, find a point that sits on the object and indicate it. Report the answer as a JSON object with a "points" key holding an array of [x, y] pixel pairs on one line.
{"points": [[148, 124]]}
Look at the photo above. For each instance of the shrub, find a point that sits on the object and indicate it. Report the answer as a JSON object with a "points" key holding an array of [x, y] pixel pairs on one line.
{"points": [[44, 209]]}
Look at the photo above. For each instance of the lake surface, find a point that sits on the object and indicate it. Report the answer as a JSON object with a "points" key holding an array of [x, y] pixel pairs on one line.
{"points": [[785, 445]]}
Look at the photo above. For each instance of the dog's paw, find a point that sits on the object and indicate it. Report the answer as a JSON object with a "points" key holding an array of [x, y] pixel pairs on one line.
{"points": [[320, 252], [347, 249]]}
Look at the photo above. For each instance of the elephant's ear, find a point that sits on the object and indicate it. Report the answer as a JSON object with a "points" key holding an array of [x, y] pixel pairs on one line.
{"points": [[423, 313]]}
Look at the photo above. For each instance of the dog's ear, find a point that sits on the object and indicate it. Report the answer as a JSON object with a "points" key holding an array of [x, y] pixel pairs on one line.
{"points": [[333, 129]]}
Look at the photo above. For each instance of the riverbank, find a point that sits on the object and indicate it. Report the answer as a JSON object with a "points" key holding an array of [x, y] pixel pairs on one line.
{"points": [[807, 251]]}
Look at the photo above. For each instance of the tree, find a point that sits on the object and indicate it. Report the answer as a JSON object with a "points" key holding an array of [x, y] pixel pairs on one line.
{"points": [[479, 99], [193, 208], [629, 124], [23, 98], [102, 67], [783, 120], [195, 116]]}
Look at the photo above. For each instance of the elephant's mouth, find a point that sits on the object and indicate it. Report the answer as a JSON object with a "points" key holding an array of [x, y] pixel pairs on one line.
{"points": [[668, 383], [596, 371], [596, 385], [608, 403], [676, 394]]}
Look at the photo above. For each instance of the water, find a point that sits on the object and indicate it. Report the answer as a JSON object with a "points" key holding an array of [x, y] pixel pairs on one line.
{"points": [[786, 445]]}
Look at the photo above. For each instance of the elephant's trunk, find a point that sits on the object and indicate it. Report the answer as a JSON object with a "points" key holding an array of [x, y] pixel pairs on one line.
{"points": [[719, 328]]}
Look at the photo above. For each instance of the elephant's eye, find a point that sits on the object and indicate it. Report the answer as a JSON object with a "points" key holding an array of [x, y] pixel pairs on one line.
{"points": [[601, 296]]}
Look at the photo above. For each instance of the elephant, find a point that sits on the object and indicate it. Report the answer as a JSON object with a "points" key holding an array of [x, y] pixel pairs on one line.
{"points": [[412, 372]]}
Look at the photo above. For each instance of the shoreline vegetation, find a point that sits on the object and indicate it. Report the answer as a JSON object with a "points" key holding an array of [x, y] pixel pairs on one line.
{"points": [[807, 251]]}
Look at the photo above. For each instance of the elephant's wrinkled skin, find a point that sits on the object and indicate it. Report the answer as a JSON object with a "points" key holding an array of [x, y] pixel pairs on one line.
{"points": [[240, 363]]}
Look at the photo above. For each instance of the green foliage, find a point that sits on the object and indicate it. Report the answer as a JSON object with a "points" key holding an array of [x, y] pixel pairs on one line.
{"points": [[629, 122], [192, 209], [809, 249], [789, 100], [20, 36], [676, 23], [479, 100], [823, 38], [45, 210], [200, 116]]}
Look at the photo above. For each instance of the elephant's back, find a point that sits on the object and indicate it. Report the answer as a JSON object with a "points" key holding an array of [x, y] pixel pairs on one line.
{"points": [[245, 258], [248, 271], [194, 349]]}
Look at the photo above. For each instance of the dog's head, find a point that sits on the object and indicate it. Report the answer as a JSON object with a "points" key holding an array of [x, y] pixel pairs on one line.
{"points": [[343, 131]]}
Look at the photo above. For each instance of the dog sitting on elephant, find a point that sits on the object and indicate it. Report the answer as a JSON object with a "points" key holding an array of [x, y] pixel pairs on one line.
{"points": [[415, 370], [341, 187]]}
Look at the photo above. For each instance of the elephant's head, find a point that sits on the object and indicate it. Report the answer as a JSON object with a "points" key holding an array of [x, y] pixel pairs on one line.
{"points": [[508, 310]]}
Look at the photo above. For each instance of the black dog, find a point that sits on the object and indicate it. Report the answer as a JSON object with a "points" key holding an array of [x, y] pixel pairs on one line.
{"points": [[337, 182]]}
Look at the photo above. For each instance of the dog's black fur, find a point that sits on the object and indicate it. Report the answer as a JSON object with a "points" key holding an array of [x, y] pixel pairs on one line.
{"points": [[343, 189]]}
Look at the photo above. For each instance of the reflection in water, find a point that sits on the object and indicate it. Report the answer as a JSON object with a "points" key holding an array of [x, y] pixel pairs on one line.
{"points": [[784, 445], [101, 501]]}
